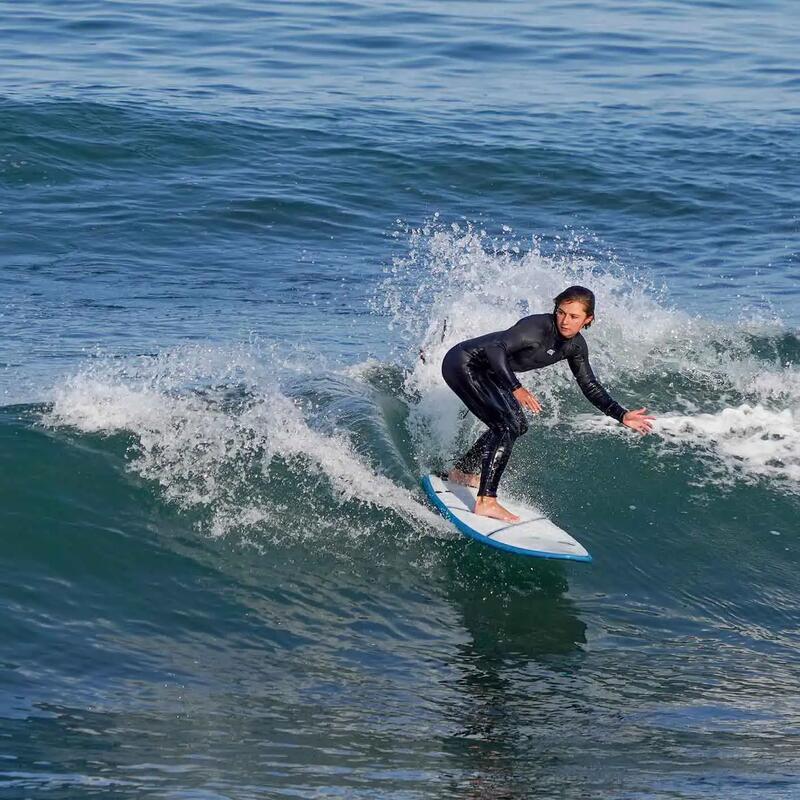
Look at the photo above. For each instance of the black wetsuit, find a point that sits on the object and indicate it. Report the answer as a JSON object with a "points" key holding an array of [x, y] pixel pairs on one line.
{"points": [[481, 372]]}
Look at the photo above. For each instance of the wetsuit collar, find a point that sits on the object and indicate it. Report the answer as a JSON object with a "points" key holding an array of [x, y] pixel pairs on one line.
{"points": [[559, 338]]}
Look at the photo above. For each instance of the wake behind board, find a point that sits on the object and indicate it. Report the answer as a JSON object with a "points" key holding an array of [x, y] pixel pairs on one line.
{"points": [[533, 535]]}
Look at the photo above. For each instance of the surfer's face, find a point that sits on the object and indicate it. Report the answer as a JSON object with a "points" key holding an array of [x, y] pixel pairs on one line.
{"points": [[571, 317]]}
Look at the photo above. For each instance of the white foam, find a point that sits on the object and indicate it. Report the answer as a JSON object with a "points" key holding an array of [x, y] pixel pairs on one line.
{"points": [[749, 440], [701, 377], [206, 451], [746, 442]]}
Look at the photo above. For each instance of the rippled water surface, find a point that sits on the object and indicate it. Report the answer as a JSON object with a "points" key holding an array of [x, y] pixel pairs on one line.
{"points": [[229, 232]]}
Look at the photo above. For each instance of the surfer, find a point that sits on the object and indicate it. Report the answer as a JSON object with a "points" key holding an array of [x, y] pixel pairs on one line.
{"points": [[481, 372]]}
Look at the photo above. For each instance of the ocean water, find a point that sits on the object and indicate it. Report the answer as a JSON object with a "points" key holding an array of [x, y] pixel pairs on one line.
{"points": [[237, 240]]}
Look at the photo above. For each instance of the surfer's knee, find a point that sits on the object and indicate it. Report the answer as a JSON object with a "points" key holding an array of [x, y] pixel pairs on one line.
{"points": [[517, 427], [506, 435], [501, 432]]}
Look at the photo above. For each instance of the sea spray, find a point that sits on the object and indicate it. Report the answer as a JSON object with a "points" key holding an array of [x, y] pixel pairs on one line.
{"points": [[211, 425], [727, 391]]}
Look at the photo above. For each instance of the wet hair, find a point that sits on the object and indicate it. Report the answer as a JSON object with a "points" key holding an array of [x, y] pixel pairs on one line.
{"points": [[580, 293]]}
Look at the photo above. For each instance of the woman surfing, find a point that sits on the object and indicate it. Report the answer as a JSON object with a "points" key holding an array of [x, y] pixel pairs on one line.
{"points": [[481, 372]]}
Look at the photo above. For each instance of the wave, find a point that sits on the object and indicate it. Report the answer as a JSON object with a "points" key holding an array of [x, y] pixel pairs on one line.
{"points": [[260, 439], [213, 429], [728, 390]]}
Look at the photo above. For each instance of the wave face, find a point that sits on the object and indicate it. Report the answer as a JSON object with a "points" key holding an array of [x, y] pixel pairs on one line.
{"points": [[235, 241], [726, 394], [215, 432], [267, 500]]}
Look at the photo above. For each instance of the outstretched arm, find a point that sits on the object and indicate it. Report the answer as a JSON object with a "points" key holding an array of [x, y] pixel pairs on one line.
{"points": [[592, 389], [638, 420]]}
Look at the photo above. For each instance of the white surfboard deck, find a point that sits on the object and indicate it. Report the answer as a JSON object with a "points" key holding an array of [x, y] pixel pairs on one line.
{"points": [[533, 535]]}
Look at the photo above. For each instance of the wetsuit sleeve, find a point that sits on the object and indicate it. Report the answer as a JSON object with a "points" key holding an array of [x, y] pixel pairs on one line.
{"points": [[592, 389], [526, 334], [497, 356]]}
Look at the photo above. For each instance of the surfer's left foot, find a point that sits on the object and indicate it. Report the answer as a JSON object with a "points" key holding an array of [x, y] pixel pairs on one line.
{"points": [[464, 478], [489, 507]]}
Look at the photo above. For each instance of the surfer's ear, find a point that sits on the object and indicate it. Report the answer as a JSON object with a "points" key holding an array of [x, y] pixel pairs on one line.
{"points": [[589, 321]]}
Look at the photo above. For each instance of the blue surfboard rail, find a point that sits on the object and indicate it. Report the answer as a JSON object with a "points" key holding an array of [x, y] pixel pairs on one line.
{"points": [[479, 537]]}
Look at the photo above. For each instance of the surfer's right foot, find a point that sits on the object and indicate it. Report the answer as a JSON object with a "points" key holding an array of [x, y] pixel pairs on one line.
{"points": [[489, 507], [464, 478]]}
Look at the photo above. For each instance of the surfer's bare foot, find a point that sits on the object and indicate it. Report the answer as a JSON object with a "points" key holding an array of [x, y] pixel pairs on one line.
{"points": [[464, 478], [489, 507]]}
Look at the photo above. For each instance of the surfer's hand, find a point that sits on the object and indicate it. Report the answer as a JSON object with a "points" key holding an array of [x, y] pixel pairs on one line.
{"points": [[527, 400], [638, 420]]}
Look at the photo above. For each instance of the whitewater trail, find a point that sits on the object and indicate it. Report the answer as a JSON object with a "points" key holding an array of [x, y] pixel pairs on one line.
{"points": [[719, 390]]}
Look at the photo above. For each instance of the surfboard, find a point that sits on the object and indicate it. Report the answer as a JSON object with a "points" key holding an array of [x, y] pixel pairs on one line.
{"points": [[534, 535]]}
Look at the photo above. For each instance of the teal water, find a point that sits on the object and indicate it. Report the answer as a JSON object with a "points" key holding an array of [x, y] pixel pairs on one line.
{"points": [[228, 235]]}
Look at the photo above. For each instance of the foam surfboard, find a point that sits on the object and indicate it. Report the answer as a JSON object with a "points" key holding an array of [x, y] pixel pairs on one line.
{"points": [[533, 535]]}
